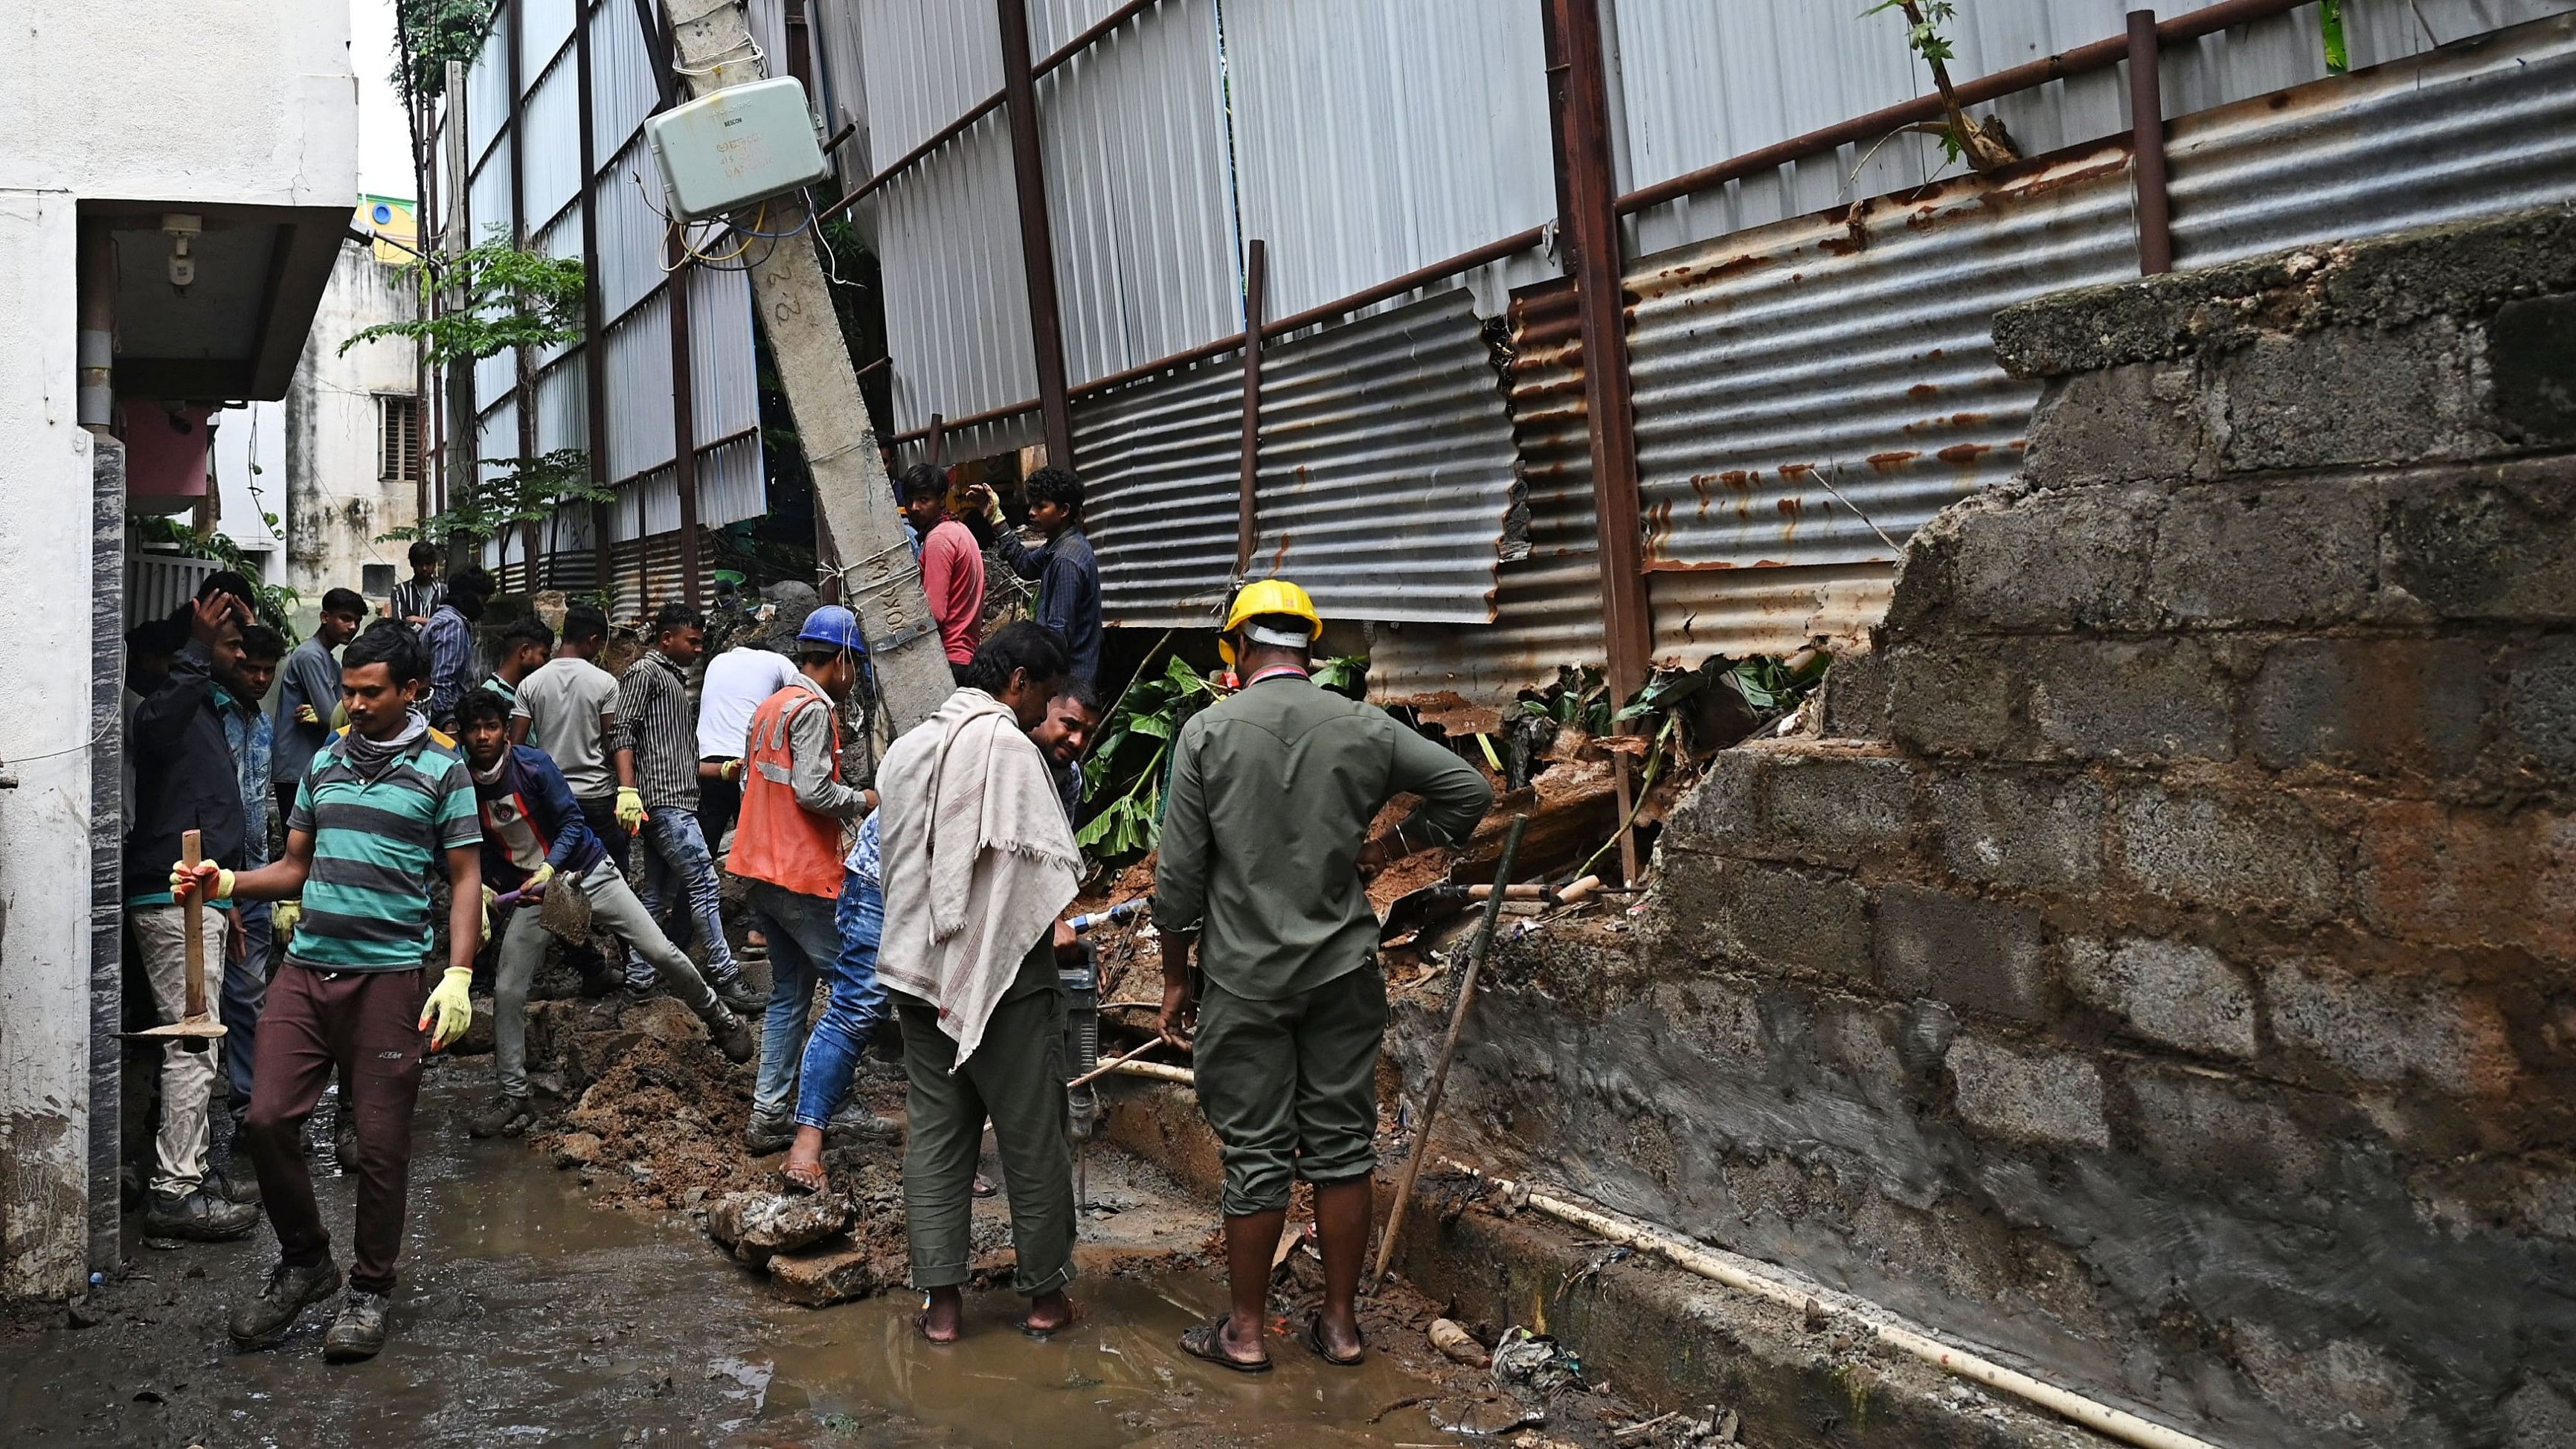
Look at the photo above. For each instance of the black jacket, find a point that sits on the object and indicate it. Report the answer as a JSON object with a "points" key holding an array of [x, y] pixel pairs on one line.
{"points": [[185, 777]]}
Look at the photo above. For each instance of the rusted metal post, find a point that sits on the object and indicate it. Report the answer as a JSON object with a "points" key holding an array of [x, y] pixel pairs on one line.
{"points": [[935, 450], [684, 426], [1581, 96], [1256, 281], [2147, 145], [594, 327], [1037, 233]]}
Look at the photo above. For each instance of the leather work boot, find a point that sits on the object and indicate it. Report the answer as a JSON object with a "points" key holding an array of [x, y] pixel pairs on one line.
{"points": [[505, 1115], [198, 1217], [854, 1124], [359, 1331], [738, 996], [765, 1135], [731, 1034], [265, 1319], [231, 1184]]}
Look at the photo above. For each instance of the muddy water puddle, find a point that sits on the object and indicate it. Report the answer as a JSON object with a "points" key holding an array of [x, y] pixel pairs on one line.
{"points": [[528, 1315]]}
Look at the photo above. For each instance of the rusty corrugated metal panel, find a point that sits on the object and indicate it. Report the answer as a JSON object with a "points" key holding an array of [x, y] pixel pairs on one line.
{"points": [[1548, 600], [1159, 462], [1810, 393], [1386, 475], [2481, 126], [1387, 481]]}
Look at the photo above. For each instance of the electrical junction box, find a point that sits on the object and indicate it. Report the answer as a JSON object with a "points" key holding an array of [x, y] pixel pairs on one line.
{"points": [[741, 145]]}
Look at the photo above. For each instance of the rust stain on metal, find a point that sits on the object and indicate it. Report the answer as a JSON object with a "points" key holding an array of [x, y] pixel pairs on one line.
{"points": [[1279, 556], [1793, 509], [1922, 390], [1699, 488], [1965, 453], [1890, 462], [1966, 420]]}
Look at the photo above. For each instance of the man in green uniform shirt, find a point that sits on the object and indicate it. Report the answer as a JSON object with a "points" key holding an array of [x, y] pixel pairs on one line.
{"points": [[1264, 842]]}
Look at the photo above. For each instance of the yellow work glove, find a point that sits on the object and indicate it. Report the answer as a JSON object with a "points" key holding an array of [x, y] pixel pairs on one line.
{"points": [[450, 1005], [630, 808], [535, 888], [490, 898], [285, 916], [208, 876], [730, 770]]}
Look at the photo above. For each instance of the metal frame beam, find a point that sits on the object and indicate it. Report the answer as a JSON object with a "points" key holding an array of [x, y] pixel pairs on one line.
{"points": [[1247, 525], [2147, 144], [1037, 230]]}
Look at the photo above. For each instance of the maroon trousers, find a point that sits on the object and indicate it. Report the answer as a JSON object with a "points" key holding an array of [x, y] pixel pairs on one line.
{"points": [[364, 1025]]}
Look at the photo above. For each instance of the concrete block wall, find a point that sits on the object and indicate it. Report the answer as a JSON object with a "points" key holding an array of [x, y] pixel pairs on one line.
{"points": [[2161, 965]]}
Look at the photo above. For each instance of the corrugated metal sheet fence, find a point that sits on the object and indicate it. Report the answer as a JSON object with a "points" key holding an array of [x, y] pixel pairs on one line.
{"points": [[1813, 378], [537, 153]]}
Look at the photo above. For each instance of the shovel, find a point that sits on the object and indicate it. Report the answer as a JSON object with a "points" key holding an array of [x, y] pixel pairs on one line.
{"points": [[198, 1026]]}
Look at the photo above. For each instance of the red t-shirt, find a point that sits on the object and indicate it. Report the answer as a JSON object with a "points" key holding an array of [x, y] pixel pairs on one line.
{"points": [[952, 572]]}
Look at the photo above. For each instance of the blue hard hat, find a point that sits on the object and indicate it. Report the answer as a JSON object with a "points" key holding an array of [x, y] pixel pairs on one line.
{"points": [[831, 624]]}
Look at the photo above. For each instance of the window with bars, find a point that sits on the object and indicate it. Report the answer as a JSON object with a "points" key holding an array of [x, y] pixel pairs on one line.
{"points": [[397, 437]]}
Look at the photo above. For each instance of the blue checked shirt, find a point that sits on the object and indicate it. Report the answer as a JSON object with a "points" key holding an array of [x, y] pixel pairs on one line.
{"points": [[451, 661]]}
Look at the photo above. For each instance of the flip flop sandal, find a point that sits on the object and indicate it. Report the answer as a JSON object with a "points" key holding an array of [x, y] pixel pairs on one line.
{"points": [[1207, 1341], [1315, 1340], [821, 1182], [1043, 1334]]}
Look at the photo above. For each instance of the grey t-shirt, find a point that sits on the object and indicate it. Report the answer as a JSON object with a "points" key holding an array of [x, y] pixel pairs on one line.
{"points": [[562, 701]]}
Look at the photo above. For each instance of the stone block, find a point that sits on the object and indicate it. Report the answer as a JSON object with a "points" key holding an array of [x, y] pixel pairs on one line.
{"points": [[2018, 561], [2041, 831], [2453, 876], [1855, 694], [2131, 700], [1978, 954], [1720, 814], [1954, 698], [834, 1270], [2169, 992], [2281, 552], [1836, 808], [2222, 1129], [2539, 716], [2391, 1030], [2140, 420], [2234, 850], [2499, 545], [2347, 395], [2048, 1098], [1774, 917], [2531, 365], [2378, 706]]}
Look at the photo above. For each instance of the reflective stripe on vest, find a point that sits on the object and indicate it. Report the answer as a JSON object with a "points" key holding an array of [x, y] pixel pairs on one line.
{"points": [[776, 839]]}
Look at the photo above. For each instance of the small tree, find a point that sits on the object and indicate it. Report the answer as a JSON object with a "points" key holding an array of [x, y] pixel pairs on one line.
{"points": [[494, 507], [514, 297], [1982, 144]]}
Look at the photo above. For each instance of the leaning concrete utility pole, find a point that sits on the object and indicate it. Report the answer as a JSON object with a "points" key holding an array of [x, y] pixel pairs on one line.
{"points": [[711, 48]]}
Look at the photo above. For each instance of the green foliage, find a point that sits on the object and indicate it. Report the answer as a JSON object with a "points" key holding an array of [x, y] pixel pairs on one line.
{"points": [[529, 492], [1923, 37], [1130, 756], [273, 601], [429, 34], [1346, 674], [513, 298], [2330, 23]]}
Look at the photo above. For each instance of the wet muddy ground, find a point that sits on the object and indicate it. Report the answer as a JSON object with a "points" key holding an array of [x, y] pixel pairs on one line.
{"points": [[527, 1313]]}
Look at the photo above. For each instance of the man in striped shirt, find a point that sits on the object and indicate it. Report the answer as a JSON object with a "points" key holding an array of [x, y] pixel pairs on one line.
{"points": [[380, 809], [657, 771]]}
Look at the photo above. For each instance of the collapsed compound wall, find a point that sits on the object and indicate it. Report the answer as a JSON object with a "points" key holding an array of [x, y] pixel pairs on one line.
{"points": [[2161, 966]]}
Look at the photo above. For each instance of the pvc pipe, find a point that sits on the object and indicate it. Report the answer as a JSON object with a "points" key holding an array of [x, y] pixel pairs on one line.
{"points": [[1156, 1070], [1735, 1273]]}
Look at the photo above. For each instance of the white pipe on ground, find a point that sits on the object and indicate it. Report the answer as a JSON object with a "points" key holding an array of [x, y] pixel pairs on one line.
{"points": [[1735, 1273], [1156, 1070]]}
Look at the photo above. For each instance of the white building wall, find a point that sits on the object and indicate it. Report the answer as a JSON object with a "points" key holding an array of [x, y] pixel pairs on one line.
{"points": [[234, 101], [337, 501]]}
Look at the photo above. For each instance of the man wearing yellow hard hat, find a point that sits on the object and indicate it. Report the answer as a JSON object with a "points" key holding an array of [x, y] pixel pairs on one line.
{"points": [[1265, 836]]}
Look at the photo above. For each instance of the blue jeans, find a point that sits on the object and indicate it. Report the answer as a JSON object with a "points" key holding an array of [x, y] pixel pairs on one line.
{"points": [[802, 942], [857, 1004], [676, 856], [245, 992]]}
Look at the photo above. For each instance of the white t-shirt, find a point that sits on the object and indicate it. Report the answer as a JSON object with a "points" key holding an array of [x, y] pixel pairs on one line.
{"points": [[736, 683], [563, 700]]}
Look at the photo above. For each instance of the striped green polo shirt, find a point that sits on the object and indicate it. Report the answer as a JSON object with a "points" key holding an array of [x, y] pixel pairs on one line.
{"points": [[376, 842]]}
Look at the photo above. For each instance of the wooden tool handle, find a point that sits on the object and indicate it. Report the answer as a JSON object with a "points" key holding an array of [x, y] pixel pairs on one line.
{"points": [[192, 916], [1105, 1068]]}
